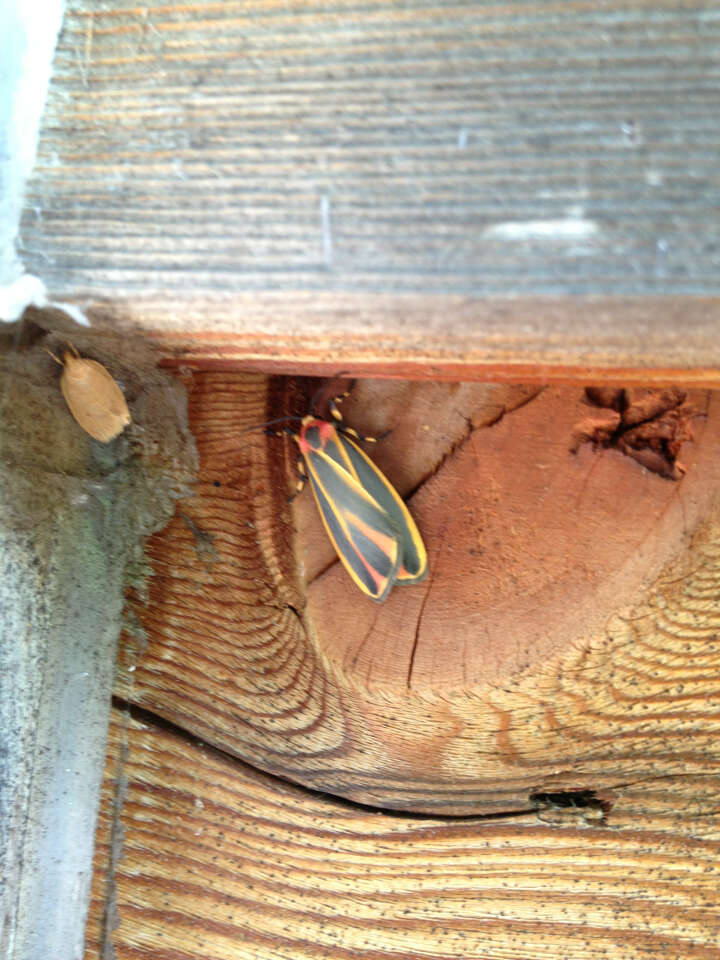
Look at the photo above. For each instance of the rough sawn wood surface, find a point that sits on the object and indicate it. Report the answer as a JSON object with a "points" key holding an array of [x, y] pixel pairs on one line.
{"points": [[566, 637], [585, 760], [199, 856], [470, 184]]}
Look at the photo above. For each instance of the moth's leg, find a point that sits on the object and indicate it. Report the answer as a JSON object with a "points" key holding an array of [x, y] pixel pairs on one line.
{"points": [[338, 418], [334, 404], [301, 480]]}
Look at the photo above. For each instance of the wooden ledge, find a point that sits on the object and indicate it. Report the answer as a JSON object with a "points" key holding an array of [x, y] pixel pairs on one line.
{"points": [[621, 340]]}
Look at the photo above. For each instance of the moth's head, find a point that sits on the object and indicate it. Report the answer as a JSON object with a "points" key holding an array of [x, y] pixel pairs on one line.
{"points": [[314, 434]]}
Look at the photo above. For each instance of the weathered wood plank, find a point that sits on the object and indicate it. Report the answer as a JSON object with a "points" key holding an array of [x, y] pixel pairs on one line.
{"points": [[475, 183], [199, 856], [566, 637]]}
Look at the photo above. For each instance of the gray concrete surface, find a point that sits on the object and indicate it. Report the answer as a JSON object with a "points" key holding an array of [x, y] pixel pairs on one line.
{"points": [[73, 514]]}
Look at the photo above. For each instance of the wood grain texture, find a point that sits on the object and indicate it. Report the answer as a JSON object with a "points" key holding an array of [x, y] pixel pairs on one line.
{"points": [[199, 856], [566, 638], [473, 183]]}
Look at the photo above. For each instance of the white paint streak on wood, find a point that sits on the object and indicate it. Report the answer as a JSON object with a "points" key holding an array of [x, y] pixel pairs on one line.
{"points": [[327, 241], [564, 229]]}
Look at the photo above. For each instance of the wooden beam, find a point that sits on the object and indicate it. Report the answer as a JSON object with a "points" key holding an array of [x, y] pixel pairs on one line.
{"points": [[199, 856], [564, 639], [417, 189]]}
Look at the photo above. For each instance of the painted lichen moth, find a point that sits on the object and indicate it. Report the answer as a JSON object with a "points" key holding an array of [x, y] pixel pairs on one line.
{"points": [[367, 521]]}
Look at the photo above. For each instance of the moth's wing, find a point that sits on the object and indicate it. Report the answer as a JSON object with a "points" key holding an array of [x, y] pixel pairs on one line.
{"points": [[414, 564], [363, 534]]}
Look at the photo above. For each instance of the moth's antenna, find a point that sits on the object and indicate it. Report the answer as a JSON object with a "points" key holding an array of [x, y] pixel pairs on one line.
{"points": [[268, 423], [54, 357]]}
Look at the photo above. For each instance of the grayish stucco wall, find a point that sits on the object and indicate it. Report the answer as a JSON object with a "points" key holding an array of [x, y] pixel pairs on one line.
{"points": [[73, 514]]}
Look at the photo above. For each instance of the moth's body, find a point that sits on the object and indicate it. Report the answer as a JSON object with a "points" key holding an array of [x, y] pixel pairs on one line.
{"points": [[369, 525], [94, 399]]}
